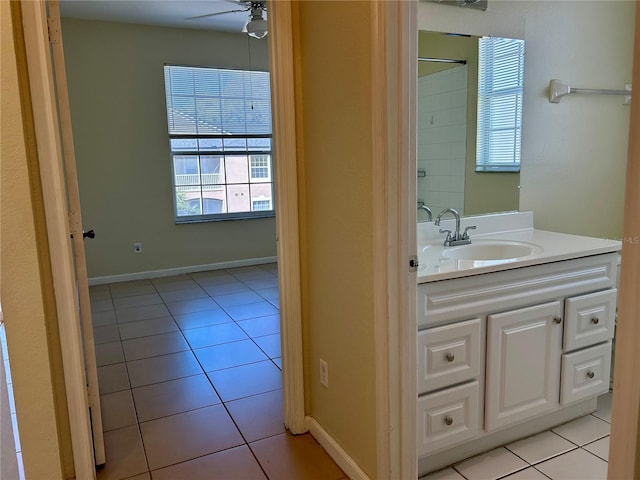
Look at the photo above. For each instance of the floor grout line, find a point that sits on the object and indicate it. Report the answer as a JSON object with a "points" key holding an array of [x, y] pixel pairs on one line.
{"points": [[191, 349], [534, 465]]}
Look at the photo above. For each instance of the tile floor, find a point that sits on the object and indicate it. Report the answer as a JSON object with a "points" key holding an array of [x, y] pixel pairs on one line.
{"points": [[190, 380], [577, 450]]}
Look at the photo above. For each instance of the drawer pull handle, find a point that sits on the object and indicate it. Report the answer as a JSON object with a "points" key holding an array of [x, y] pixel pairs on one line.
{"points": [[595, 320], [557, 319], [450, 357], [590, 374], [448, 420]]}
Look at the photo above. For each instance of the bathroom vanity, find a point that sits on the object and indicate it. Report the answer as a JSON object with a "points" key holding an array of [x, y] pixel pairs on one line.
{"points": [[514, 333]]}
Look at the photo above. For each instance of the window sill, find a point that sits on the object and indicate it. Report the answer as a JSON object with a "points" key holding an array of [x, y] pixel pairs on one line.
{"points": [[498, 168], [222, 218]]}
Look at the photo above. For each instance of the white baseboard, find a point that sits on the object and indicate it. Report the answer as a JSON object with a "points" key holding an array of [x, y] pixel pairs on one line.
{"points": [[125, 277], [335, 451]]}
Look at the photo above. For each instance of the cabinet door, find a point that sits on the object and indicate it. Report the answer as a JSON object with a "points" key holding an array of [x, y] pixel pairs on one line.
{"points": [[524, 348]]}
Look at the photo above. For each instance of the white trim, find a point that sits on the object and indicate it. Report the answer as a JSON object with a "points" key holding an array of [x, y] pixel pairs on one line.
{"points": [[76, 229], [335, 451], [167, 272], [404, 330], [624, 457], [394, 79], [382, 223], [281, 55], [47, 131]]}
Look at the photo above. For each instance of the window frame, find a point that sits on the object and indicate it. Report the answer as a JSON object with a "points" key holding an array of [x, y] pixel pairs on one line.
{"points": [[254, 179], [223, 152]]}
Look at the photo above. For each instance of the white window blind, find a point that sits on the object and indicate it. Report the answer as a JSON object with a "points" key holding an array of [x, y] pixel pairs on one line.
{"points": [[219, 124], [500, 82]]}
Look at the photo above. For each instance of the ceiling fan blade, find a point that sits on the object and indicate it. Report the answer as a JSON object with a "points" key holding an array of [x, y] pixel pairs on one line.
{"points": [[217, 13]]}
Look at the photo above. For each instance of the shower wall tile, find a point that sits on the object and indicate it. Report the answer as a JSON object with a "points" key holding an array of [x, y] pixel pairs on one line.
{"points": [[442, 134]]}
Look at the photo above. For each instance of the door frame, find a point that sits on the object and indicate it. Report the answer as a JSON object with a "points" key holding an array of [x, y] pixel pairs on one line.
{"points": [[624, 452], [396, 324], [280, 40], [76, 228], [47, 132]]}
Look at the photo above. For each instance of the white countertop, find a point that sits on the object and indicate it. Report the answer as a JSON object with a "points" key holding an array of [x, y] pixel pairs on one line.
{"points": [[548, 246]]}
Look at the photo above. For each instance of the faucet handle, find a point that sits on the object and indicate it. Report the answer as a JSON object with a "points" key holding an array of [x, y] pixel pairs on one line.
{"points": [[465, 235], [448, 232]]}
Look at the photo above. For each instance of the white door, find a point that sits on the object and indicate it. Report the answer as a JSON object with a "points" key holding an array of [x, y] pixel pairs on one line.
{"points": [[524, 349], [76, 228]]}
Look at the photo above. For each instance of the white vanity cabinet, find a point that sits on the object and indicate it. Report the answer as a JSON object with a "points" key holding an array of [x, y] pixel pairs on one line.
{"points": [[500, 351]]}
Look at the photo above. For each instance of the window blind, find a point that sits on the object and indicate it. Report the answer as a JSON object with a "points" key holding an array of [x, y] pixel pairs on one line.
{"points": [[208, 101], [500, 85]]}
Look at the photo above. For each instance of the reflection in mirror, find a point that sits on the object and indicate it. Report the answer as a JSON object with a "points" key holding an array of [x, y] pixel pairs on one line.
{"points": [[447, 132]]}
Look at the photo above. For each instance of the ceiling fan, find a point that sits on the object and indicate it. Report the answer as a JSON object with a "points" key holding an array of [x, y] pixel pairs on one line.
{"points": [[256, 25]]}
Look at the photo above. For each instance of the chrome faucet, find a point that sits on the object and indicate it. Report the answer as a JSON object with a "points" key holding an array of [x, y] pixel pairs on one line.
{"points": [[454, 238], [422, 206]]}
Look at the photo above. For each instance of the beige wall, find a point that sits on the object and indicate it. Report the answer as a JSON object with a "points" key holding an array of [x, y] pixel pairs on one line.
{"points": [[333, 91], [484, 192], [118, 108], [31, 328], [573, 153]]}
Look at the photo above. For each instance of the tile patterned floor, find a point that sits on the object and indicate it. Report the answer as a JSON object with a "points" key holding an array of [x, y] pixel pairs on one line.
{"points": [[190, 380], [577, 450]]}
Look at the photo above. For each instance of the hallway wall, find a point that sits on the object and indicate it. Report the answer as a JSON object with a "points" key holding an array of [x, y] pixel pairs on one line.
{"points": [[333, 97]]}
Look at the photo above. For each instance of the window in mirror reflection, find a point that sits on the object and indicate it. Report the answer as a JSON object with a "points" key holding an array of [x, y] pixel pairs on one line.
{"points": [[500, 82]]}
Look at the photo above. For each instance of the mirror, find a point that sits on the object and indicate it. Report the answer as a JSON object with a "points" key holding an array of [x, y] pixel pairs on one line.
{"points": [[447, 132]]}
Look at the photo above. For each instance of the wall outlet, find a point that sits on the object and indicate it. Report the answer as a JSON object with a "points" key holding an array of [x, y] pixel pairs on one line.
{"points": [[137, 247], [324, 373]]}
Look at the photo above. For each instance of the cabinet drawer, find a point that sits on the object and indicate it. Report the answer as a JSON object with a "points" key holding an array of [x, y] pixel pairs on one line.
{"points": [[447, 417], [448, 355], [585, 373], [589, 319]]}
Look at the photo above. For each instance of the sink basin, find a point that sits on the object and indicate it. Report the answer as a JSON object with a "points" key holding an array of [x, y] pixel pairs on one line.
{"points": [[490, 250]]}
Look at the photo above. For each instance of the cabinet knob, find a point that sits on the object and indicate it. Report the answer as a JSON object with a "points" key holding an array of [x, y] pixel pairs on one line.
{"points": [[590, 374], [450, 357], [595, 320], [557, 319], [448, 420]]}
